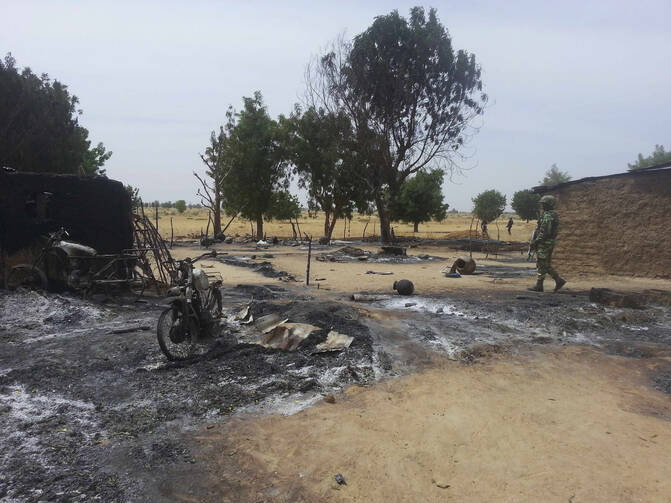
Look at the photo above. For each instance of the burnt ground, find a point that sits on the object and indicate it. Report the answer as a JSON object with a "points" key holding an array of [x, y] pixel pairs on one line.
{"points": [[89, 414]]}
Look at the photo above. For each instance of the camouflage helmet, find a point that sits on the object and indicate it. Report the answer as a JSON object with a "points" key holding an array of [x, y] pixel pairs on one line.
{"points": [[548, 202]]}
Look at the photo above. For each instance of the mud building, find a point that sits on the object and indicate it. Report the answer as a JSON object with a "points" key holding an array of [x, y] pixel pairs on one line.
{"points": [[617, 224]]}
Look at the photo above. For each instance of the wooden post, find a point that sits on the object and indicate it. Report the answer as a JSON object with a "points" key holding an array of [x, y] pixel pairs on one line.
{"points": [[156, 216], [172, 233], [307, 272], [344, 229]]}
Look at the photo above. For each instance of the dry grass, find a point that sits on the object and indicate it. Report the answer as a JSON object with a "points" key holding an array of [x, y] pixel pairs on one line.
{"points": [[193, 221]]}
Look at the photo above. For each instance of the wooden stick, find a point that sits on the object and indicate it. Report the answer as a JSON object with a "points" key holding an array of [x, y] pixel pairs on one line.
{"points": [[307, 272], [172, 233], [156, 216]]}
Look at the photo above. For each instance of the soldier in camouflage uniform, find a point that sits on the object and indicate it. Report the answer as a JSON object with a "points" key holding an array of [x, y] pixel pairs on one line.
{"points": [[544, 243]]}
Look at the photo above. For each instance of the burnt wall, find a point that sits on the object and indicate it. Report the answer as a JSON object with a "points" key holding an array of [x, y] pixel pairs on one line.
{"points": [[96, 211], [619, 225]]}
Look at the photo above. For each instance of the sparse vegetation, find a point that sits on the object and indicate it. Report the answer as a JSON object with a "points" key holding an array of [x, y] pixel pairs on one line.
{"points": [[658, 156], [555, 176]]}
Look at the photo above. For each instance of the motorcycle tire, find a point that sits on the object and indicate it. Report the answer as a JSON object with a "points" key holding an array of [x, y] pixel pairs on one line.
{"points": [[185, 346], [26, 276]]}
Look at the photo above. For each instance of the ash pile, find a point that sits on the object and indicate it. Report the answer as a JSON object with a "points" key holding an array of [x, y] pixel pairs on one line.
{"points": [[91, 409], [386, 254]]}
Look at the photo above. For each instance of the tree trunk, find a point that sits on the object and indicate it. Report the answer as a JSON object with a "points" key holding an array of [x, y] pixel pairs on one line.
{"points": [[331, 227], [416, 228], [216, 215], [259, 227], [327, 224], [385, 223]]}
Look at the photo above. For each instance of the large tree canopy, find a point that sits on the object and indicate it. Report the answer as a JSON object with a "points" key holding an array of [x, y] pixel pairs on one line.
{"points": [[420, 199], [658, 156], [39, 125], [320, 145], [525, 204], [409, 94]]}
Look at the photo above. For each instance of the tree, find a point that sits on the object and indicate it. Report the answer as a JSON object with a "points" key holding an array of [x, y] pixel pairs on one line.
{"points": [[525, 204], [180, 205], [320, 146], [421, 199], [489, 205], [39, 125], [555, 176], [134, 194], [217, 159], [658, 156], [257, 167], [409, 94]]}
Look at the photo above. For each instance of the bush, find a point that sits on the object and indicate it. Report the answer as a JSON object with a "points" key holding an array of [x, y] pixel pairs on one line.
{"points": [[180, 205]]}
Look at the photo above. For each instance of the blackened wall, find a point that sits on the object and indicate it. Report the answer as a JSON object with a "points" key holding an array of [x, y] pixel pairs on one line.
{"points": [[95, 211]]}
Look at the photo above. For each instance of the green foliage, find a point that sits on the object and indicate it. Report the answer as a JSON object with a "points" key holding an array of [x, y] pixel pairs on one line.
{"points": [[180, 205], [39, 125], [134, 194], [94, 159], [658, 156], [489, 205], [410, 95], [554, 176], [421, 199], [525, 204], [257, 168], [285, 206], [320, 145]]}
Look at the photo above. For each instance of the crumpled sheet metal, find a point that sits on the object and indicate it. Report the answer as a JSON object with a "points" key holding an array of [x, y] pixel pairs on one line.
{"points": [[287, 336], [335, 341]]}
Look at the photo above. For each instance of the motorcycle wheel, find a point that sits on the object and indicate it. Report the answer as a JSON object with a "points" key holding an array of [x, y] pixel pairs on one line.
{"points": [[177, 340], [26, 276]]}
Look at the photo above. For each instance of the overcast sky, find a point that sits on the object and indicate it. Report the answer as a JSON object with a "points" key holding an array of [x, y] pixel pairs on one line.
{"points": [[581, 84]]}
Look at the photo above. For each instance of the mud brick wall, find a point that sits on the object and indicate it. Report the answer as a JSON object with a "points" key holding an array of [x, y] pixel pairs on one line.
{"points": [[619, 225]]}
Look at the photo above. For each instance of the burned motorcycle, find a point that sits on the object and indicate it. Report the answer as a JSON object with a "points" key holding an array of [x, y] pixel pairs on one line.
{"points": [[67, 265], [191, 325]]}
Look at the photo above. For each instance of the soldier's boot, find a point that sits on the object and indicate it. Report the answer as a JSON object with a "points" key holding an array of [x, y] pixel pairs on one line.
{"points": [[538, 287], [559, 282]]}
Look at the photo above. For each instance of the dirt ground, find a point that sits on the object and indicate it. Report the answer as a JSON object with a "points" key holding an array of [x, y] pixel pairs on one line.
{"points": [[566, 425], [472, 389]]}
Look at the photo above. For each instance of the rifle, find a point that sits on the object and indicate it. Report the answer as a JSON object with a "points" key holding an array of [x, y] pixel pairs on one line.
{"points": [[532, 247]]}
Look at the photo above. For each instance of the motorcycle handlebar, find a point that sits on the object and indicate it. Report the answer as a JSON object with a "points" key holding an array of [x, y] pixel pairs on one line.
{"points": [[212, 254]]}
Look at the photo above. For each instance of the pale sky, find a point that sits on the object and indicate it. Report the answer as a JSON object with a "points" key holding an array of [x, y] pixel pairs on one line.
{"points": [[581, 84]]}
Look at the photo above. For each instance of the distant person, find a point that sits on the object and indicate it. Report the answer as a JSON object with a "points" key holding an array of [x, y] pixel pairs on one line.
{"points": [[509, 225], [483, 227], [544, 243]]}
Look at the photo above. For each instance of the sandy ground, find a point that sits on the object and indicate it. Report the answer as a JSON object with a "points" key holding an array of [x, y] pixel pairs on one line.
{"points": [[570, 425], [353, 277], [565, 424]]}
